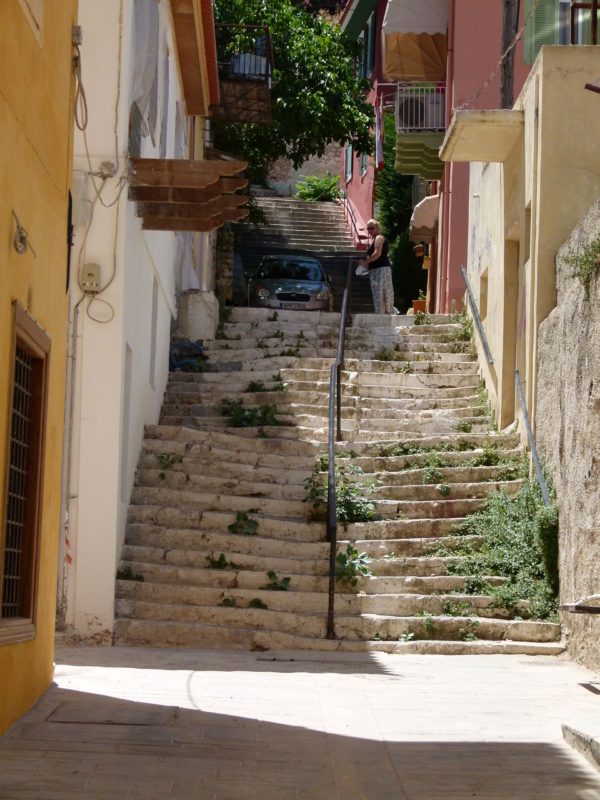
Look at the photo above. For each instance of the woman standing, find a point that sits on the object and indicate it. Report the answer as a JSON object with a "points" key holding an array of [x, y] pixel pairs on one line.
{"points": [[377, 266]]}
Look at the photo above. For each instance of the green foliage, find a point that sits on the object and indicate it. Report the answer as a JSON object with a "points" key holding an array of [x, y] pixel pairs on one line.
{"points": [[319, 188], [127, 574], [351, 496], [220, 562], [240, 417], [467, 634], [422, 318], [166, 460], [231, 602], [431, 473], [243, 525], [444, 489], [409, 636], [256, 602], [519, 541], [453, 609], [585, 264], [408, 276], [280, 386], [352, 565], [277, 584], [316, 96], [463, 425], [256, 386]]}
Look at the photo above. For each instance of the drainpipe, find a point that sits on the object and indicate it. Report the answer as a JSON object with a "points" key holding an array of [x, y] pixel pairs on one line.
{"points": [[443, 284]]}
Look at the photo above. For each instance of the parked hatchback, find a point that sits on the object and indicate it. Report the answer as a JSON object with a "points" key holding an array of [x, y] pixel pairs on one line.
{"points": [[289, 281]]}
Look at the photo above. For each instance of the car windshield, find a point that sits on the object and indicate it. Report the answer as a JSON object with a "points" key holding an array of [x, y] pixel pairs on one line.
{"points": [[297, 269]]}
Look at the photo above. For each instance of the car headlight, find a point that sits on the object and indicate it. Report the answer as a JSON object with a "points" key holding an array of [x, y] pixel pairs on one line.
{"points": [[263, 294], [323, 294]]}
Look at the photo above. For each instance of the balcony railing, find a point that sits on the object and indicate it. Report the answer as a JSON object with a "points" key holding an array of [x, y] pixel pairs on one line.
{"points": [[245, 63], [417, 107]]}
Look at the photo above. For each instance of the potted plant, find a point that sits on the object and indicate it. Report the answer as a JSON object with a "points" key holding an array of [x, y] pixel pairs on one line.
{"points": [[419, 250], [419, 305]]}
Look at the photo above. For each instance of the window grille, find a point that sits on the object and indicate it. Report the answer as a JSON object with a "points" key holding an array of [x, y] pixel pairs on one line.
{"points": [[22, 513], [16, 504]]}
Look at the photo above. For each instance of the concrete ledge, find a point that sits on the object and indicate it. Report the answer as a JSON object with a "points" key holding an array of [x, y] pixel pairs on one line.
{"points": [[585, 743]]}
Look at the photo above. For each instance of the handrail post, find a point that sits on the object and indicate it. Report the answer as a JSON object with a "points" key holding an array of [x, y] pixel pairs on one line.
{"points": [[536, 461], [488, 354]]}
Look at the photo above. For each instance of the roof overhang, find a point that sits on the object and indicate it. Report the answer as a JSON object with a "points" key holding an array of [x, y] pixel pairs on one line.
{"points": [[179, 195], [423, 222], [355, 16], [194, 34], [487, 135]]}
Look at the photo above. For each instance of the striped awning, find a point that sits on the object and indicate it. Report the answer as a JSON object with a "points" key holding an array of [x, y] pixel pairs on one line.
{"points": [[417, 154]]}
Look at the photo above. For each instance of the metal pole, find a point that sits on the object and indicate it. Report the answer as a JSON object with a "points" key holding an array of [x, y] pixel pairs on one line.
{"points": [[488, 355], [538, 468], [331, 513]]}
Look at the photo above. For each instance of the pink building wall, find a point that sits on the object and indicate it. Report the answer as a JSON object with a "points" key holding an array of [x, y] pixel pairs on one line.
{"points": [[360, 188], [474, 49]]}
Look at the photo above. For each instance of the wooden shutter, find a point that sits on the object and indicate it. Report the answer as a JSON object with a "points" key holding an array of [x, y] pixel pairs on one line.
{"points": [[541, 29]]}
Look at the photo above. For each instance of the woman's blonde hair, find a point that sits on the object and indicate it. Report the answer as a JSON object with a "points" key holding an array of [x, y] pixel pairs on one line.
{"points": [[374, 222]]}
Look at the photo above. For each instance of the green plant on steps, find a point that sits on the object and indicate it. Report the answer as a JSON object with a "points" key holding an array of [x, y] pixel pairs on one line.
{"points": [[463, 425], [352, 565], [277, 584], [220, 562], [256, 602], [127, 574], [422, 318], [230, 602], [319, 188], [352, 496], [443, 489], [431, 473], [256, 386], [240, 417], [166, 461], [243, 525], [519, 538]]}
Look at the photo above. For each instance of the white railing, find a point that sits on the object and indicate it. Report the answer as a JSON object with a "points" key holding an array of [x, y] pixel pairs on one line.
{"points": [[416, 106]]}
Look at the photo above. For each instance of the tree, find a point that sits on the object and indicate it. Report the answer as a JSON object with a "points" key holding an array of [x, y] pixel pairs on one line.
{"points": [[394, 194], [316, 95]]}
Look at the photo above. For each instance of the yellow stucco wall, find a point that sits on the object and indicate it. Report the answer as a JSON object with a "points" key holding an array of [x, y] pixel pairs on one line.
{"points": [[523, 209], [35, 174]]}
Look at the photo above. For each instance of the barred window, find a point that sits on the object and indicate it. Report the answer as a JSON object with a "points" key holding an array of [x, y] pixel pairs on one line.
{"points": [[19, 553]]}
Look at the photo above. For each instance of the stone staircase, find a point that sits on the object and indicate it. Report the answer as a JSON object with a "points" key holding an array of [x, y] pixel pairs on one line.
{"points": [[218, 523], [299, 226]]}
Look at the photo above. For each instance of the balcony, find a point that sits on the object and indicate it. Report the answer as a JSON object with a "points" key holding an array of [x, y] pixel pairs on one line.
{"points": [[245, 69], [420, 107]]}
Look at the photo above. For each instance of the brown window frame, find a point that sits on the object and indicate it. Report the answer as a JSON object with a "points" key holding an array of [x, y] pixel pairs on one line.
{"points": [[30, 337]]}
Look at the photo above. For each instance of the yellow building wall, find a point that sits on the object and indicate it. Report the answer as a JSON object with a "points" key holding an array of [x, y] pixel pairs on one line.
{"points": [[523, 209], [36, 99]]}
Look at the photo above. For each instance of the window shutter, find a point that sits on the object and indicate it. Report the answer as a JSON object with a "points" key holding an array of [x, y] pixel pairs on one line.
{"points": [[541, 29]]}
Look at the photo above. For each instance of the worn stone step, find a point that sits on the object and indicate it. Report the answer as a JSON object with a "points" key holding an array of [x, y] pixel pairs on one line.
{"points": [[173, 634], [455, 491]]}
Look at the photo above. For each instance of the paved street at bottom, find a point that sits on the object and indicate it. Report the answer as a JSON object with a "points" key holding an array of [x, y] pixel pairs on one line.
{"points": [[156, 723]]}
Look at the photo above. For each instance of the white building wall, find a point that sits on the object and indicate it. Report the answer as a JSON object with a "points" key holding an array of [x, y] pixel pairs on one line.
{"points": [[110, 407]]}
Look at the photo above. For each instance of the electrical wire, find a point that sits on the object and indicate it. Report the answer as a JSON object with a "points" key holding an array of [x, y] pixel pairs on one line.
{"points": [[503, 58]]}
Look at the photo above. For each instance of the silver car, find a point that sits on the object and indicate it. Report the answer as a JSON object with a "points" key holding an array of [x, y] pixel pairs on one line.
{"points": [[290, 281]]}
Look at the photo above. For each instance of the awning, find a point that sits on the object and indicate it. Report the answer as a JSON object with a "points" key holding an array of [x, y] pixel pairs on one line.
{"points": [[414, 40], [417, 154], [416, 16], [182, 195], [423, 221], [487, 135]]}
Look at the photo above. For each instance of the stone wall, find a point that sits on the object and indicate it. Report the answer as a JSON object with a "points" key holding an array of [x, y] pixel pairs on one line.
{"points": [[568, 434], [282, 176]]}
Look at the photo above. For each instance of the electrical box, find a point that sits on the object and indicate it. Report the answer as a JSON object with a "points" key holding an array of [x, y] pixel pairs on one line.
{"points": [[90, 278]]}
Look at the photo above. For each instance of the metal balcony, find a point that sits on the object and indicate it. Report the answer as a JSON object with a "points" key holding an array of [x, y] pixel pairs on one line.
{"points": [[245, 64]]}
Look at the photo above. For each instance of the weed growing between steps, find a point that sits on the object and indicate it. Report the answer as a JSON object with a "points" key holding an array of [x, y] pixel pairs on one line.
{"points": [[166, 461], [352, 495], [519, 542], [352, 565], [243, 525], [256, 602], [220, 563], [277, 584], [240, 417], [422, 318], [127, 574]]}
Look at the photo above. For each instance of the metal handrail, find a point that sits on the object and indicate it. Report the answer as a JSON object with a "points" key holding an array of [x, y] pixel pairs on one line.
{"points": [[536, 461], [349, 213], [335, 393], [484, 341]]}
